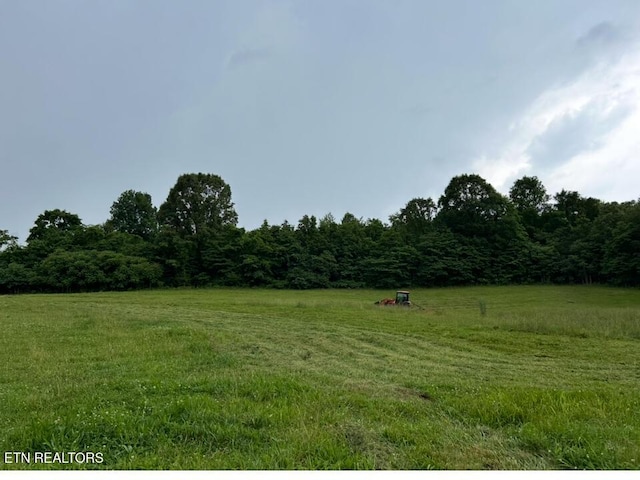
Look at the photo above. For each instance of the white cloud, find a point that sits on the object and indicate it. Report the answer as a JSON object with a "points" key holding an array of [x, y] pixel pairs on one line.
{"points": [[581, 136], [610, 172]]}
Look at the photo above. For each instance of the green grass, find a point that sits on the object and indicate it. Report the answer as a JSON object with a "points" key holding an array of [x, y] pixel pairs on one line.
{"points": [[478, 378]]}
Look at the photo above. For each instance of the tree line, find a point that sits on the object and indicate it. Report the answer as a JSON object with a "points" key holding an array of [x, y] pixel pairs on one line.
{"points": [[471, 235]]}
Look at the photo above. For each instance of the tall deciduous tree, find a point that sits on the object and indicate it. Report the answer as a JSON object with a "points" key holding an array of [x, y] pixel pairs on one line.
{"points": [[486, 223], [471, 206], [198, 202], [529, 197], [575, 206], [53, 221], [416, 217], [529, 194], [133, 212]]}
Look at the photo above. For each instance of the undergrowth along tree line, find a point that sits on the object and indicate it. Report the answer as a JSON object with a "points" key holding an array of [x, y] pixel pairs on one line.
{"points": [[472, 235]]}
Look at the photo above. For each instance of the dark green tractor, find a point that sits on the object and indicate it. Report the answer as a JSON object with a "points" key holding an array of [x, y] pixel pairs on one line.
{"points": [[402, 298]]}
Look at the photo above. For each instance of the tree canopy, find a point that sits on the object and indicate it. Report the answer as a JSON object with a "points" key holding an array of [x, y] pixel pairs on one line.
{"points": [[473, 235], [133, 212], [198, 202], [56, 221]]}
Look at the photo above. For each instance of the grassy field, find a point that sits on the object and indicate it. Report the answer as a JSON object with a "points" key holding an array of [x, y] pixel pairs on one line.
{"points": [[478, 378]]}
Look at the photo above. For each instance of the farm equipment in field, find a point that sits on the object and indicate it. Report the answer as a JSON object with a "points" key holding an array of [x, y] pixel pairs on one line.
{"points": [[402, 299]]}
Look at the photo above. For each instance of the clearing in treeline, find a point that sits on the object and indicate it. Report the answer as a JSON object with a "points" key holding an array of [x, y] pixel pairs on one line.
{"points": [[476, 378]]}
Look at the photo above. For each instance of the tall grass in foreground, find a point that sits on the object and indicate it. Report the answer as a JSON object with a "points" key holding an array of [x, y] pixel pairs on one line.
{"points": [[579, 322], [543, 378]]}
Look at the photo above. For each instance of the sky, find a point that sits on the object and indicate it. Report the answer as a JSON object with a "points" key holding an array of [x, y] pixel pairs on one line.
{"points": [[312, 107]]}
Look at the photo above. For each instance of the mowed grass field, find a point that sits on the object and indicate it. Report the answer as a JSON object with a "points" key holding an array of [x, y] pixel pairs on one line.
{"points": [[478, 378]]}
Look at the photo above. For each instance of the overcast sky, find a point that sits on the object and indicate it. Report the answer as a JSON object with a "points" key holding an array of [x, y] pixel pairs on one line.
{"points": [[312, 107]]}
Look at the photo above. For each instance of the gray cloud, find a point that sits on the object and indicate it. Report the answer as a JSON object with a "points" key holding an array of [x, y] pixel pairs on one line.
{"points": [[574, 134], [356, 106], [602, 34]]}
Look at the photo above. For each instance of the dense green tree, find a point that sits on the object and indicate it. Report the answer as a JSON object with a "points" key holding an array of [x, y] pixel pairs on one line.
{"points": [[88, 237], [327, 233], [529, 194], [258, 257], [573, 206], [307, 231], [415, 218], [88, 270], [471, 206], [530, 199], [221, 257], [312, 271], [390, 267], [349, 245], [52, 230], [474, 236], [71, 271], [125, 243], [196, 203], [312, 263], [571, 228], [441, 260], [133, 212], [17, 278], [286, 254], [176, 255], [447, 259], [390, 260], [54, 222], [474, 210], [374, 229], [621, 262], [487, 224]]}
